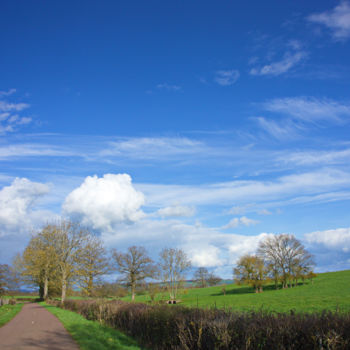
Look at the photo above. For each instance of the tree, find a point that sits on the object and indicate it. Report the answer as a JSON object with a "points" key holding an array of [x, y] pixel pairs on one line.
{"points": [[287, 258], [251, 270], [213, 280], [173, 264], [4, 271], [93, 264], [69, 249], [201, 277], [135, 266], [38, 263]]}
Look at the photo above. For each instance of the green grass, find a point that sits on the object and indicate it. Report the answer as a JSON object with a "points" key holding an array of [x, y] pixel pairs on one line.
{"points": [[330, 291], [91, 335], [7, 312]]}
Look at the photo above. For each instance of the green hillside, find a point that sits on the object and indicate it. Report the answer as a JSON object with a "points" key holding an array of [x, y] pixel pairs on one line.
{"points": [[329, 291]]}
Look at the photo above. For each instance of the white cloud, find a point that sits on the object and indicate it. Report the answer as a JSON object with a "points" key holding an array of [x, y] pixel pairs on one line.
{"points": [[169, 87], [8, 121], [285, 187], [176, 211], [284, 130], [7, 93], [226, 77], [243, 220], [17, 202], [337, 20], [204, 246], [336, 239], [154, 147], [33, 150], [8, 107], [264, 212], [289, 60], [317, 157], [102, 203], [309, 109]]}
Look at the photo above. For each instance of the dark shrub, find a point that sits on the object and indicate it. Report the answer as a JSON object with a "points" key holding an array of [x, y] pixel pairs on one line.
{"points": [[176, 327]]}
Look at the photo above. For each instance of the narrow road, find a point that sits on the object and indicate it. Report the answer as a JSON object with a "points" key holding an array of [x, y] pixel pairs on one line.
{"points": [[35, 328]]}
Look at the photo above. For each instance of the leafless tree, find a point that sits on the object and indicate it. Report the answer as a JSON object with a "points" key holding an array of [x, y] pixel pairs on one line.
{"points": [[173, 264], [69, 247], [201, 277], [135, 266], [93, 263], [286, 257]]}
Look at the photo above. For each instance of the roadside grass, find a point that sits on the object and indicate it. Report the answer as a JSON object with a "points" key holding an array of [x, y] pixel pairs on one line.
{"points": [[329, 291], [91, 335], [7, 312]]}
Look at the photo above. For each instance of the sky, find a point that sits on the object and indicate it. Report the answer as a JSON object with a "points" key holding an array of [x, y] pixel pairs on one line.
{"points": [[201, 125]]}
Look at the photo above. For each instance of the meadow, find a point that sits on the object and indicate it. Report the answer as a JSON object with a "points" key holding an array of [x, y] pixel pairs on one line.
{"points": [[328, 291]]}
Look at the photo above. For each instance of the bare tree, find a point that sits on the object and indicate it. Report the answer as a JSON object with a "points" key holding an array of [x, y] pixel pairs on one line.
{"points": [[201, 277], [286, 257], [69, 248], [135, 266], [173, 264], [93, 263], [213, 280]]}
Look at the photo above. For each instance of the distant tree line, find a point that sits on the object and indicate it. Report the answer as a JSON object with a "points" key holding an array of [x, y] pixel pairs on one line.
{"points": [[281, 259]]}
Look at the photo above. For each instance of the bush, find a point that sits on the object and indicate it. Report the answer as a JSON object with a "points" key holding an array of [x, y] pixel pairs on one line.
{"points": [[176, 327]]}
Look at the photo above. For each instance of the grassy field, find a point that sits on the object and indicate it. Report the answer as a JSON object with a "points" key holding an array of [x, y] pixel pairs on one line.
{"points": [[329, 291], [7, 312], [90, 335]]}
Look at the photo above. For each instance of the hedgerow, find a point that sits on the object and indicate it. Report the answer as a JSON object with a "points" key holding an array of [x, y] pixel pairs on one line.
{"points": [[177, 327]]}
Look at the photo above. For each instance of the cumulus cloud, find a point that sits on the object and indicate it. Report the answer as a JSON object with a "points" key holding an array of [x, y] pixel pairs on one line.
{"points": [[337, 20], [102, 203], [205, 246], [176, 211], [17, 202], [289, 60], [336, 239], [226, 77], [243, 220]]}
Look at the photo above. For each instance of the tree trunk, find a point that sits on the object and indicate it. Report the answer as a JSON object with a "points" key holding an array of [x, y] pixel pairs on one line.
{"points": [[46, 288], [133, 292], [41, 291], [64, 287], [89, 286]]}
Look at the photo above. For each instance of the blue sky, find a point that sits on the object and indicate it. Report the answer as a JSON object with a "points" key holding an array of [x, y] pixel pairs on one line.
{"points": [[202, 125]]}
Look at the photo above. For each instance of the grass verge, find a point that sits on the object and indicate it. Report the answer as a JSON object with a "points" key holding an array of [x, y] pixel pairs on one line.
{"points": [[91, 335], [7, 312]]}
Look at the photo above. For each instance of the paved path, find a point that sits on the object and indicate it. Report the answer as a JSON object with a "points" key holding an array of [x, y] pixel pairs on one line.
{"points": [[35, 328]]}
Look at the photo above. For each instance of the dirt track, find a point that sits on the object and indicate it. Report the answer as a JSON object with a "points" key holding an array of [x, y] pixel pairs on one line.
{"points": [[35, 328]]}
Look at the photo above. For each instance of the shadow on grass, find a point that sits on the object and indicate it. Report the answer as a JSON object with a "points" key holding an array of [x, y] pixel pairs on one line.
{"points": [[249, 290]]}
